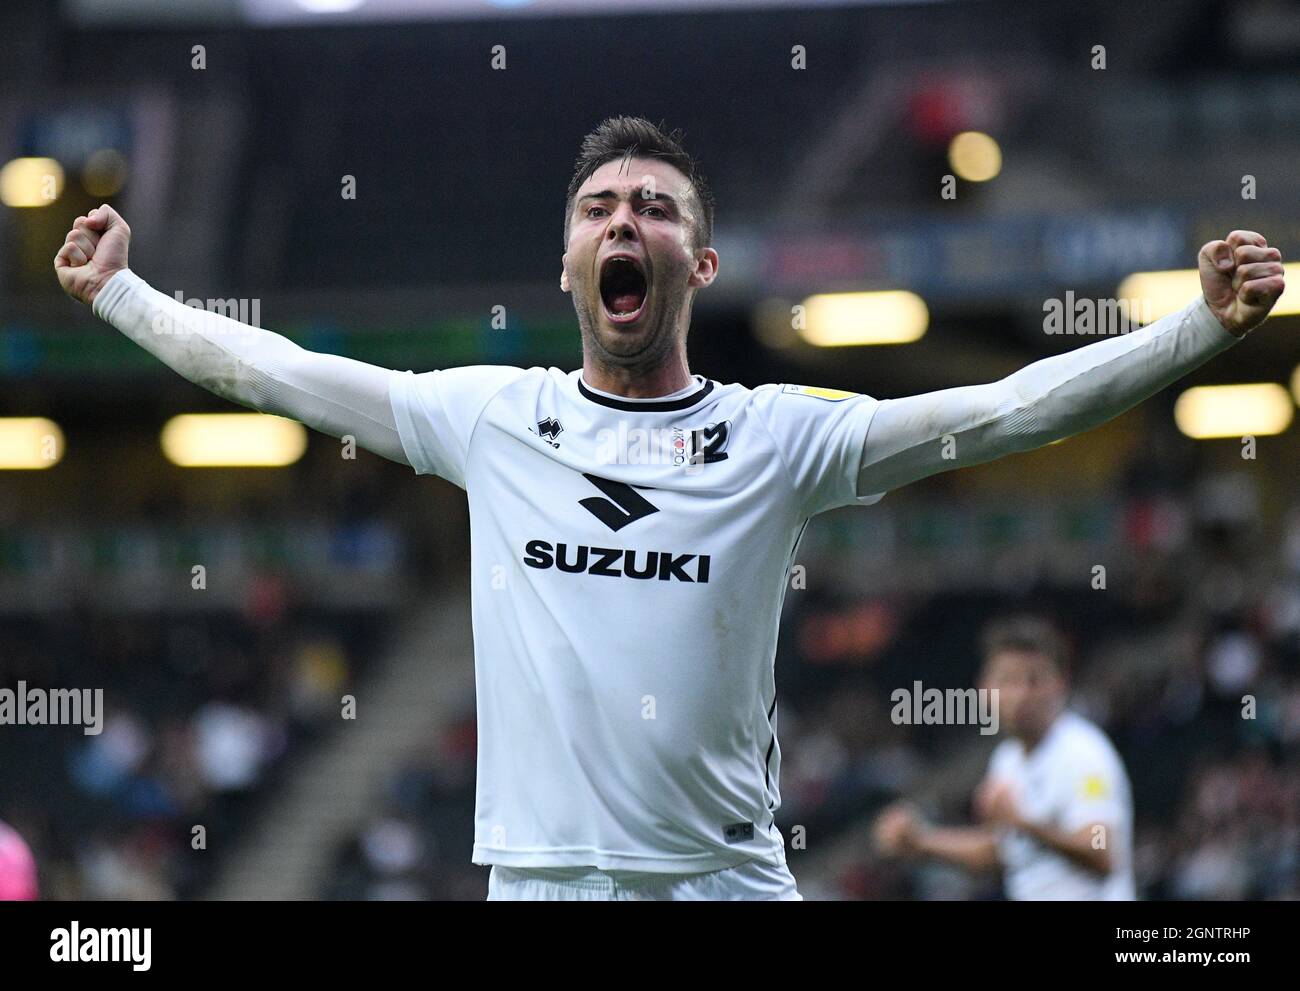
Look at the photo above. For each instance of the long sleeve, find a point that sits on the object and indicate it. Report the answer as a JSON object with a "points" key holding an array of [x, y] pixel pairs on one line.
{"points": [[256, 368], [1053, 398]]}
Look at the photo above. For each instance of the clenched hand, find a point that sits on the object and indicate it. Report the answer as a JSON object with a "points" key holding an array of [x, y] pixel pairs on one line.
{"points": [[1241, 278], [92, 253]]}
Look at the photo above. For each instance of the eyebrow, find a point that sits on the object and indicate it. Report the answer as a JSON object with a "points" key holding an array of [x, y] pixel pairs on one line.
{"points": [[609, 194]]}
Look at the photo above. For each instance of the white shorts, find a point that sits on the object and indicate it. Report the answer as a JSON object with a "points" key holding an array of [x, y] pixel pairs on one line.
{"points": [[751, 881]]}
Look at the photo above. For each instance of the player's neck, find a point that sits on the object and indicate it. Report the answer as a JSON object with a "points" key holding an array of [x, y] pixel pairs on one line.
{"points": [[638, 383]]}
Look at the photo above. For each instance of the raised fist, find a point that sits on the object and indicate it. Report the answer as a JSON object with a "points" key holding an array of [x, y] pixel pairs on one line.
{"points": [[1242, 278], [92, 253]]}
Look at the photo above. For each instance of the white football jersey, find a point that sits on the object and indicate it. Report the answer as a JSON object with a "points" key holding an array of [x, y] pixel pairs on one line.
{"points": [[629, 560], [1073, 778]]}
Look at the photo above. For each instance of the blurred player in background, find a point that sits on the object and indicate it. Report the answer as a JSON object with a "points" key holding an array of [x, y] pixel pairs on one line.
{"points": [[1056, 805], [17, 868], [634, 525]]}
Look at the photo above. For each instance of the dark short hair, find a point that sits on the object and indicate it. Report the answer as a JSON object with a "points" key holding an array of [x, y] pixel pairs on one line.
{"points": [[636, 137], [1029, 633]]}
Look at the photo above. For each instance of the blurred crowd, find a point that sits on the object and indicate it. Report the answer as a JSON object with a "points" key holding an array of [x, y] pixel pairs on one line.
{"points": [[417, 844], [202, 715]]}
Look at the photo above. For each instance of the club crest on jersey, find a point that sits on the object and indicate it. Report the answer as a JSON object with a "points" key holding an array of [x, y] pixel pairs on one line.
{"points": [[830, 395], [548, 429], [709, 443], [682, 447]]}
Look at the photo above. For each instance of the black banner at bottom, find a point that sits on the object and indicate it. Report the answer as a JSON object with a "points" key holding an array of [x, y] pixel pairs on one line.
{"points": [[143, 941]]}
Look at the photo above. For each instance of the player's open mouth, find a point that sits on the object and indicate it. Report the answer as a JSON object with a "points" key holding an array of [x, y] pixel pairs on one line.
{"points": [[623, 288]]}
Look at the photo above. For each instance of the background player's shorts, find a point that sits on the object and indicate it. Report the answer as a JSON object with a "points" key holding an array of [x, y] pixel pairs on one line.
{"points": [[751, 881]]}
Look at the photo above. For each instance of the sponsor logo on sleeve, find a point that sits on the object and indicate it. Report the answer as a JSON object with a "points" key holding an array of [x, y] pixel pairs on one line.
{"points": [[830, 395]]}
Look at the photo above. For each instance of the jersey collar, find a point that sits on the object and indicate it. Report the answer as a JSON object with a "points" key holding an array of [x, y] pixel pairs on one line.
{"points": [[647, 405]]}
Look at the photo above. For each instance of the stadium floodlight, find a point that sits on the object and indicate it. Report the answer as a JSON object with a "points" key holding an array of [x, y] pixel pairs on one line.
{"points": [[29, 182], [974, 156], [329, 6], [29, 442], [233, 440], [840, 319], [1259, 409], [1157, 294]]}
